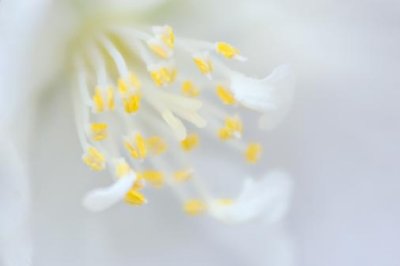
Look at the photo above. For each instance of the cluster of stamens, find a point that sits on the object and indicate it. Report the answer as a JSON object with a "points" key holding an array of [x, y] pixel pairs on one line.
{"points": [[134, 112]]}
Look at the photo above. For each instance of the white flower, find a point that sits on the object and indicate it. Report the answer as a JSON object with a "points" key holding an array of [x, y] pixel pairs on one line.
{"points": [[146, 100]]}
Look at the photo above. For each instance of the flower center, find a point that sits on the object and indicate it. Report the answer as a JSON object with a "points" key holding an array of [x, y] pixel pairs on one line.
{"points": [[143, 100]]}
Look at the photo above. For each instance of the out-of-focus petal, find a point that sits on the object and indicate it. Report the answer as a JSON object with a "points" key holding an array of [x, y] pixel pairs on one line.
{"points": [[272, 95], [268, 198], [15, 245]]}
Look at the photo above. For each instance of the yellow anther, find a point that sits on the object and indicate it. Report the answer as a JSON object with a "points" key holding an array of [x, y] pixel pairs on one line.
{"points": [[234, 124], [191, 142], [155, 178], [103, 100], [183, 175], [132, 103], [189, 89], [137, 148], [224, 133], [194, 207], [134, 197], [233, 127], [156, 145], [225, 95], [98, 101], [135, 82], [168, 36], [159, 48], [227, 50], [163, 76], [253, 152], [139, 184], [110, 99], [94, 159], [123, 87], [225, 202], [141, 145], [99, 131], [204, 64], [122, 168]]}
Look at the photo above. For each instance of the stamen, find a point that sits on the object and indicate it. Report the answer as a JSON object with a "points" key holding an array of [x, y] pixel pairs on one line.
{"points": [[189, 89], [204, 64], [98, 102], [228, 51], [110, 99], [94, 159], [166, 34], [194, 207], [190, 142], [132, 103], [159, 48], [225, 202], [135, 81], [163, 75], [99, 131], [233, 128], [137, 148], [225, 95], [156, 145], [183, 175], [253, 152], [155, 178], [134, 197]]}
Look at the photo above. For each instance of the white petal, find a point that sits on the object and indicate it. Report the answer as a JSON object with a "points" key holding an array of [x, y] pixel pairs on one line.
{"points": [[268, 198], [103, 198], [15, 244], [272, 96]]}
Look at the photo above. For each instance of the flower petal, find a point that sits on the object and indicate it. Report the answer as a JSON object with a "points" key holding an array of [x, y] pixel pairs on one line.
{"points": [[103, 198], [272, 95], [15, 244], [268, 197]]}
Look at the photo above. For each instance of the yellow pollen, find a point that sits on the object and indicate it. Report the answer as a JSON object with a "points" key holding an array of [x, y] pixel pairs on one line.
{"points": [[204, 65], [191, 142], [110, 99], [94, 159], [137, 149], [158, 49], [134, 197], [224, 133], [98, 101], [189, 89], [194, 207], [227, 50], [183, 175], [225, 95], [233, 126], [132, 103], [253, 152], [123, 87], [139, 183], [163, 76], [99, 131], [155, 178], [225, 202], [122, 169], [168, 37], [135, 81], [156, 145]]}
